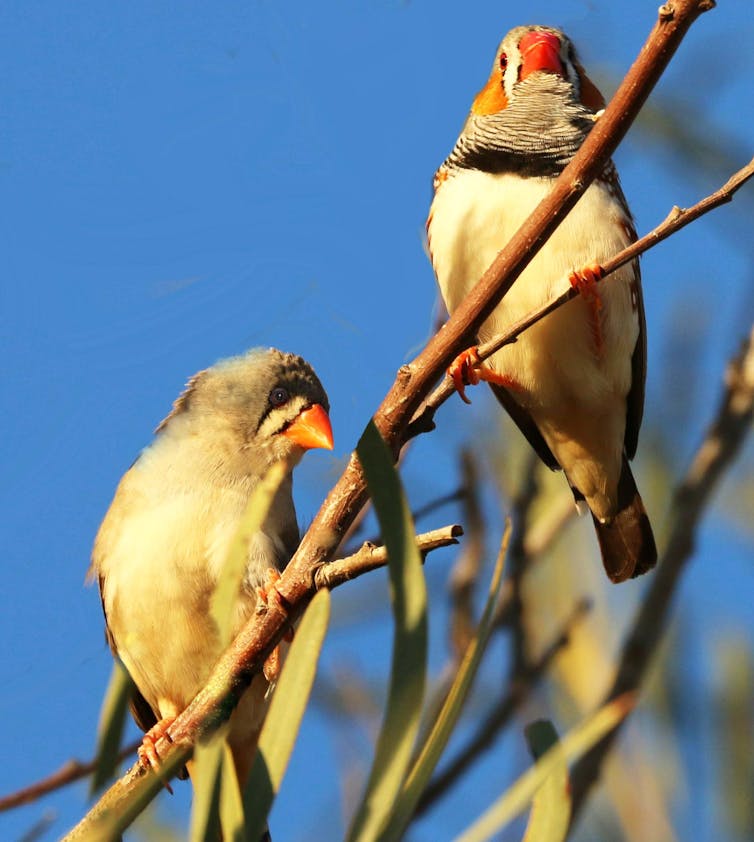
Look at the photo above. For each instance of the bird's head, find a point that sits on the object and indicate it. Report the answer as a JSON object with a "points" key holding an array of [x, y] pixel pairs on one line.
{"points": [[531, 59], [252, 410]]}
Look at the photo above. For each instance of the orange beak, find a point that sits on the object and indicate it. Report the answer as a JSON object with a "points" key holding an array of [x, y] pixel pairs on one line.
{"points": [[311, 428], [540, 51]]}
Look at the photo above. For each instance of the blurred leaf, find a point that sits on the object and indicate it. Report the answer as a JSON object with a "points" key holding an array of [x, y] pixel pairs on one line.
{"points": [[231, 803], [579, 740], [409, 658], [206, 780], [551, 807], [735, 736], [111, 723], [229, 583], [286, 711], [217, 799], [448, 715]]}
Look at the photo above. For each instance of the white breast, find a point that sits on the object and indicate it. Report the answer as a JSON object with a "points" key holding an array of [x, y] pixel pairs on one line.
{"points": [[575, 392]]}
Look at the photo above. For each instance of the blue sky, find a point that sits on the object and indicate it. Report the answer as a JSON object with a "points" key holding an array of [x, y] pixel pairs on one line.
{"points": [[185, 181]]}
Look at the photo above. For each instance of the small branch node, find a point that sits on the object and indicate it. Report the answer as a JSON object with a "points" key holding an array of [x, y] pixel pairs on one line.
{"points": [[666, 12], [404, 375]]}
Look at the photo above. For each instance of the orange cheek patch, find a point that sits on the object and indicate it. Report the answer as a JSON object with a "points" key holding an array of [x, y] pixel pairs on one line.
{"points": [[491, 98]]}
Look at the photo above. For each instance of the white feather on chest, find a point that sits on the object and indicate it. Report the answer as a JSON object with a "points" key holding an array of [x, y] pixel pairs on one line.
{"points": [[575, 392]]}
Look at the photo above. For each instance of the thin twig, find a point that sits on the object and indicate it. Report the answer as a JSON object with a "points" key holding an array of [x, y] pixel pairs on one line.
{"points": [[717, 451], [371, 556], [69, 772]]}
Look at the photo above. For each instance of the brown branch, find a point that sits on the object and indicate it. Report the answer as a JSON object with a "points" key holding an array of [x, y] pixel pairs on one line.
{"points": [[372, 556], [69, 772], [717, 451], [677, 218], [256, 640], [483, 739]]}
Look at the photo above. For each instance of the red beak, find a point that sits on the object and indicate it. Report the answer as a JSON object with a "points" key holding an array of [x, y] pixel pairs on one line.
{"points": [[311, 428], [540, 51]]}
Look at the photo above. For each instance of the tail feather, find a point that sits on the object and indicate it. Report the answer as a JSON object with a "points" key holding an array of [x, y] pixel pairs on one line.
{"points": [[626, 542]]}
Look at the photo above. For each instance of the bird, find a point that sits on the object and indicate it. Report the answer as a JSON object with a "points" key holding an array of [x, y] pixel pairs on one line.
{"points": [[162, 545], [574, 382]]}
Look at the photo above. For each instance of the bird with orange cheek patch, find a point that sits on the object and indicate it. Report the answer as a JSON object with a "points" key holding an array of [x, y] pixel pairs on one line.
{"points": [[574, 382]]}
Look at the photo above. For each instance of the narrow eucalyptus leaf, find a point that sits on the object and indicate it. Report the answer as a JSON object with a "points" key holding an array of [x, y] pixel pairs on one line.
{"points": [[578, 741], [437, 738], [111, 724], [400, 723], [286, 711], [551, 806]]}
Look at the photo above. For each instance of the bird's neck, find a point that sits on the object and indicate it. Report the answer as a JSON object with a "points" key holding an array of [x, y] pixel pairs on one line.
{"points": [[536, 135], [219, 459]]}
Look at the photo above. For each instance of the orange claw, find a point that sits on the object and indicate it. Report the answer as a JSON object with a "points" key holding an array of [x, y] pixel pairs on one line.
{"points": [[467, 370], [585, 281], [268, 593], [147, 751]]}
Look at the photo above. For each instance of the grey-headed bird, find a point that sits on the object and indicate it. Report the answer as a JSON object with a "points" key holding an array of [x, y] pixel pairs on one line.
{"points": [[163, 542]]}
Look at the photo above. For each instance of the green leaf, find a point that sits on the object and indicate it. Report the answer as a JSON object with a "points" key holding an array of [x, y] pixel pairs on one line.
{"points": [[286, 711], [206, 780], [217, 799], [111, 723], [231, 803], [579, 740], [446, 720], [551, 807], [409, 659], [229, 583]]}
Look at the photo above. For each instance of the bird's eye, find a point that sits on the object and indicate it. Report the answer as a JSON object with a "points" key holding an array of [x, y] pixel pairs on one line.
{"points": [[279, 396], [503, 61]]}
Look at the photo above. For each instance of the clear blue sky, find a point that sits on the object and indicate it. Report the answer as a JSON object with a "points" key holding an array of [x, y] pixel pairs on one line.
{"points": [[183, 181]]}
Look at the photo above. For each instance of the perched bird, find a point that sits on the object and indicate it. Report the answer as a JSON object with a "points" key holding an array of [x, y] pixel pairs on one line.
{"points": [[574, 382], [166, 536]]}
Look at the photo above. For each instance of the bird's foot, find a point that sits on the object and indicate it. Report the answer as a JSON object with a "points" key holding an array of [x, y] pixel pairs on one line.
{"points": [[272, 665], [585, 282], [267, 594], [467, 369], [147, 751]]}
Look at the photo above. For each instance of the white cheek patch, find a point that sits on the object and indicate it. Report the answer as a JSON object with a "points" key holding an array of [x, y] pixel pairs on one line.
{"points": [[278, 418]]}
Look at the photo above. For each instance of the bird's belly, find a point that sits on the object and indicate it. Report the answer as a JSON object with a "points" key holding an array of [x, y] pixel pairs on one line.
{"points": [[164, 630], [559, 360]]}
